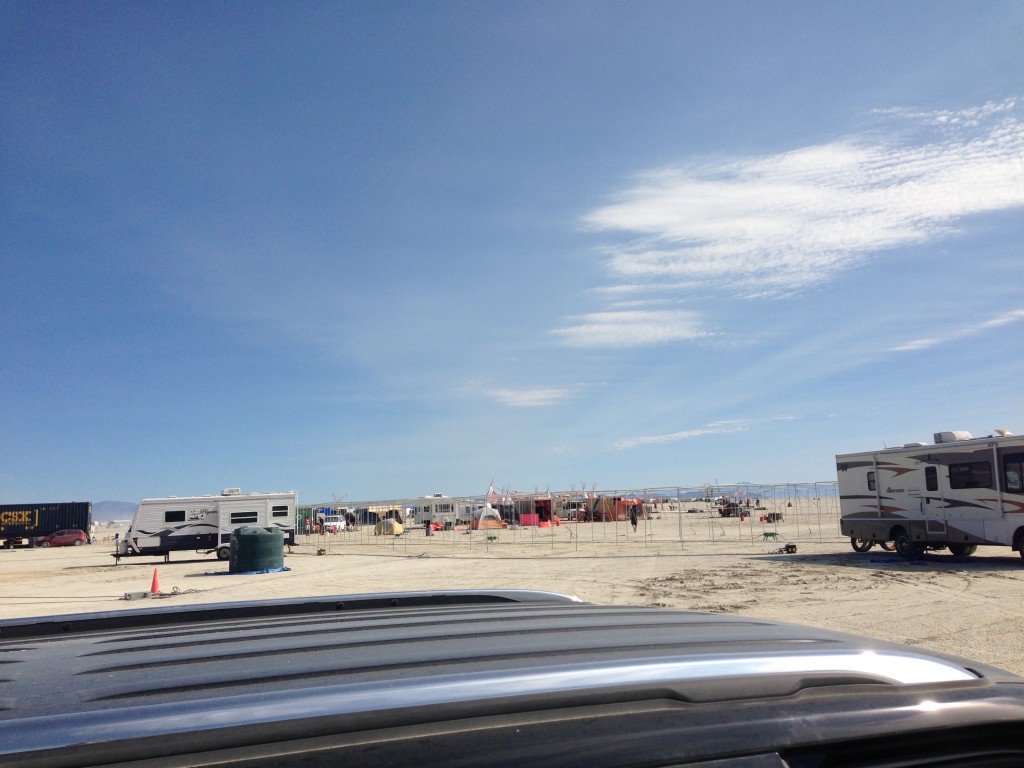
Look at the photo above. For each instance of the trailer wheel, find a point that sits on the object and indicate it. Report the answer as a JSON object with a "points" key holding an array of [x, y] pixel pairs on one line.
{"points": [[861, 545], [962, 550], [224, 553]]}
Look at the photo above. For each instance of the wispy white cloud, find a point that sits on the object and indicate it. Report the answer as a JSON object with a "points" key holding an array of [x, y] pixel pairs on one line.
{"points": [[917, 344], [631, 328], [970, 116], [530, 397], [961, 333], [714, 428], [775, 224]]}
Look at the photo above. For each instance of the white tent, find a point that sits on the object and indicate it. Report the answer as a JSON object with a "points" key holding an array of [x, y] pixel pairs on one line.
{"points": [[487, 517]]}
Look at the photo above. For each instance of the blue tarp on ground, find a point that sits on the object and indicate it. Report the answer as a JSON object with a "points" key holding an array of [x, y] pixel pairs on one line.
{"points": [[249, 573]]}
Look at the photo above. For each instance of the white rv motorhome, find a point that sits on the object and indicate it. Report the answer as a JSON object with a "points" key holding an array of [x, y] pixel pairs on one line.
{"points": [[205, 523], [955, 494], [440, 509]]}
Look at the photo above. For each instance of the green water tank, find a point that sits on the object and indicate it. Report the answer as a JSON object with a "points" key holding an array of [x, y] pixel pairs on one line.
{"points": [[256, 549]]}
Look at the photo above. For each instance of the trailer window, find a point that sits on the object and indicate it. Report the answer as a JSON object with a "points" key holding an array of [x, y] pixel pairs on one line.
{"points": [[871, 481], [973, 474], [280, 511], [931, 478], [238, 518], [1013, 473], [174, 516]]}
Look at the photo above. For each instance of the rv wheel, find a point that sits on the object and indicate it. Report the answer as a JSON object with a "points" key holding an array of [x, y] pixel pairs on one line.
{"points": [[224, 553], [861, 545], [904, 546]]}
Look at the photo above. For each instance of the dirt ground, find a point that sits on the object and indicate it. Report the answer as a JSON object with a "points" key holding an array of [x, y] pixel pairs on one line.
{"points": [[969, 607]]}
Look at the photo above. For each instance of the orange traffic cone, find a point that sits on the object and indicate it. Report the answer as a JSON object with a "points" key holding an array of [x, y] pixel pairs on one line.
{"points": [[155, 589]]}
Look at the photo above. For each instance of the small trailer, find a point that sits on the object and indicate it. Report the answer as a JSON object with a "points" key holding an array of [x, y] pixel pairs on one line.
{"points": [[956, 493], [21, 524], [204, 523]]}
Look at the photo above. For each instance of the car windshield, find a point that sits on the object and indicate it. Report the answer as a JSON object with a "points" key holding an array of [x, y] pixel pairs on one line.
{"points": [[697, 306]]}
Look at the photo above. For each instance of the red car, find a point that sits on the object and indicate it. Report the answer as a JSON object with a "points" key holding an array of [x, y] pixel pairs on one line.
{"points": [[67, 538]]}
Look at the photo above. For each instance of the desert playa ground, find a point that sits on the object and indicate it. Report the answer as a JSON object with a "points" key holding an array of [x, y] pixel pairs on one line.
{"points": [[964, 606]]}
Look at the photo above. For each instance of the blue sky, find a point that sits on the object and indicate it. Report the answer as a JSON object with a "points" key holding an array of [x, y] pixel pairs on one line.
{"points": [[378, 250]]}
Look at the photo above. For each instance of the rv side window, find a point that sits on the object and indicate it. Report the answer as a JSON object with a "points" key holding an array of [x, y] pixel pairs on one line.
{"points": [[871, 481], [1013, 473], [931, 478], [174, 516], [280, 511], [239, 518], [974, 474]]}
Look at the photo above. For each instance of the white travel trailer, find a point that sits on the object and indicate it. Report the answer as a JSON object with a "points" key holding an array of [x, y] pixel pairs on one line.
{"points": [[439, 509], [954, 494], [205, 523]]}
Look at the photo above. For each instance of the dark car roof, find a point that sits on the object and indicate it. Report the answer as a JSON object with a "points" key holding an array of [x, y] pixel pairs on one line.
{"points": [[327, 676]]}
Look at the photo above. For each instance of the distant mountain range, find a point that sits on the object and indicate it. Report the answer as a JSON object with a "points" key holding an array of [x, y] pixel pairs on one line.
{"points": [[113, 510]]}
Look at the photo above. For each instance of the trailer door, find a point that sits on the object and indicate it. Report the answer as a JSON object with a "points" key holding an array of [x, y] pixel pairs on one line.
{"points": [[926, 478], [238, 513], [934, 500]]}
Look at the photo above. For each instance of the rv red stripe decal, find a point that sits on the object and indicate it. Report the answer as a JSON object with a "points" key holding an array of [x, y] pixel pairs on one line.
{"points": [[896, 471]]}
